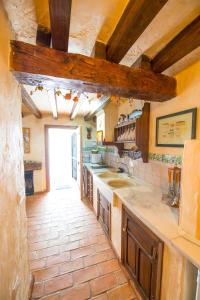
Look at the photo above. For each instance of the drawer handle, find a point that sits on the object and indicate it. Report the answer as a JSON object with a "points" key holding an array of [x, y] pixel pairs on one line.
{"points": [[124, 229]]}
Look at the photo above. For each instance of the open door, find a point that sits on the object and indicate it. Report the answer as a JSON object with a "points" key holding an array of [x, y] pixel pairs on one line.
{"points": [[77, 158], [74, 155]]}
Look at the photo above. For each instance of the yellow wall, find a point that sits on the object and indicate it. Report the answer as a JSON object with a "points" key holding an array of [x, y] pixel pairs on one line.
{"points": [[107, 120], [37, 143], [14, 268], [188, 91]]}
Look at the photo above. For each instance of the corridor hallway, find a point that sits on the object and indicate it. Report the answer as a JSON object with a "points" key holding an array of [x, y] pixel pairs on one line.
{"points": [[69, 254]]}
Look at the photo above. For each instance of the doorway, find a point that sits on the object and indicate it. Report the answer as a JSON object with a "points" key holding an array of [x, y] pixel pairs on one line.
{"points": [[62, 157]]}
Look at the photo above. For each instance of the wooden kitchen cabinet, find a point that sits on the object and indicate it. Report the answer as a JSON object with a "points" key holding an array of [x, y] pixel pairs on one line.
{"points": [[88, 184], [104, 213], [142, 253], [141, 127]]}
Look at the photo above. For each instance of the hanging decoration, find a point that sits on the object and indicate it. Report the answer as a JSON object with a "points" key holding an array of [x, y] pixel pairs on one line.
{"points": [[99, 95], [131, 101], [76, 99], [89, 133], [117, 100], [68, 95], [58, 93], [37, 88]]}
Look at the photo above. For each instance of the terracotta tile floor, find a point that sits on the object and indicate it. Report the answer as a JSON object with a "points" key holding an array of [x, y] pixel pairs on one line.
{"points": [[70, 256]]}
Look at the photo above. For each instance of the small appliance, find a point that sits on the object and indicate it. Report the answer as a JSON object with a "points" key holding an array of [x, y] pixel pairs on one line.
{"points": [[95, 158]]}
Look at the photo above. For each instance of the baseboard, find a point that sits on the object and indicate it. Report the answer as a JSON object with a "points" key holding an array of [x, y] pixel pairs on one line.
{"points": [[31, 285], [135, 289]]}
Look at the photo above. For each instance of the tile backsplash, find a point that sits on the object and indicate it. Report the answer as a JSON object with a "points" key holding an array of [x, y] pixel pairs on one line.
{"points": [[154, 172]]}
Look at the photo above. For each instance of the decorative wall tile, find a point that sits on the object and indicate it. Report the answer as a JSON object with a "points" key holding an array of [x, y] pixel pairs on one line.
{"points": [[167, 158]]}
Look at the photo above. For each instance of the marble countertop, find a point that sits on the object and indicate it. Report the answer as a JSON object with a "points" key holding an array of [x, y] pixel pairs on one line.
{"points": [[145, 201], [94, 171]]}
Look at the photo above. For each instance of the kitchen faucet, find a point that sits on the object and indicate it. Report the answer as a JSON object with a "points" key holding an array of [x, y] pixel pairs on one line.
{"points": [[127, 169]]}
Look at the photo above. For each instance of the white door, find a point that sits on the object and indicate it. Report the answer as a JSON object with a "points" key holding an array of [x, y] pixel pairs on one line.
{"points": [[77, 158]]}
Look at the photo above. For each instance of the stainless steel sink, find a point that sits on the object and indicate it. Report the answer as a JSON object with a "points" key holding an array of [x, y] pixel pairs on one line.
{"points": [[96, 166]]}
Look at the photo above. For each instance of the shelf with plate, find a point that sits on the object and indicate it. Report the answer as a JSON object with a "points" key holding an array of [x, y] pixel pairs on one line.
{"points": [[127, 123], [134, 132], [124, 142]]}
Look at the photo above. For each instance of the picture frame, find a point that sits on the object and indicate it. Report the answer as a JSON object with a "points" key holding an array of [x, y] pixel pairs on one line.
{"points": [[99, 137], [174, 129], [26, 139]]}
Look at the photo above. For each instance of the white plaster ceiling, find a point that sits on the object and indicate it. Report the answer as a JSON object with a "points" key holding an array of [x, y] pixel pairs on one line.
{"points": [[173, 17], [23, 19], [96, 20], [93, 20]]}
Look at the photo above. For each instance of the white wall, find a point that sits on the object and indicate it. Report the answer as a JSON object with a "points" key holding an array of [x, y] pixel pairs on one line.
{"points": [[37, 142]]}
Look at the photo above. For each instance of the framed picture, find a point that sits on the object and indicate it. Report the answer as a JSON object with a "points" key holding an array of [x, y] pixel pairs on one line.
{"points": [[174, 129], [26, 139], [100, 137]]}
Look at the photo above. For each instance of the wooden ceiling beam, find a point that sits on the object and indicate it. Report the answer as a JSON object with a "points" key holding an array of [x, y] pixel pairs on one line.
{"points": [[74, 111], [143, 62], [35, 65], [103, 101], [60, 12], [76, 108], [43, 37], [99, 50], [53, 103], [28, 102], [185, 42], [136, 17]]}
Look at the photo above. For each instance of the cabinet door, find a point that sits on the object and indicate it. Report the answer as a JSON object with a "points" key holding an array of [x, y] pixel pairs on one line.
{"points": [[90, 187], [85, 181], [103, 213], [142, 256], [88, 184], [142, 132]]}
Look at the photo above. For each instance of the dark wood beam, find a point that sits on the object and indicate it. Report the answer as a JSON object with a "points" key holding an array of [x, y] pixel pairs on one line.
{"points": [[28, 102], [35, 65], [99, 50], [185, 42], [136, 17], [43, 37], [103, 101], [143, 62], [60, 12]]}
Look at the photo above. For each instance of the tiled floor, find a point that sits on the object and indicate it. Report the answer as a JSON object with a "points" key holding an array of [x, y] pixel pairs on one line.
{"points": [[70, 256]]}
